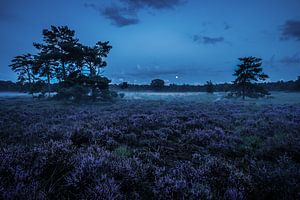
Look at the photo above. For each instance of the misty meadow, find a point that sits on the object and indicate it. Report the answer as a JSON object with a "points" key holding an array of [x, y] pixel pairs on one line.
{"points": [[138, 99]]}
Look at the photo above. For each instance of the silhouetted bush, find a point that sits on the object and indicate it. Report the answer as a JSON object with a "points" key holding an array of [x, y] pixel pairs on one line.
{"points": [[75, 92], [81, 137], [157, 84], [124, 85]]}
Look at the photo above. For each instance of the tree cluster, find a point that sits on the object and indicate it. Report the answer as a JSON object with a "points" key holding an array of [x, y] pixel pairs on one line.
{"points": [[62, 59], [75, 70]]}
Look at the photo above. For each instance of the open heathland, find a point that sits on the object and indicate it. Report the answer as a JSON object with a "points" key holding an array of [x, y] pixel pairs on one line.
{"points": [[138, 149]]}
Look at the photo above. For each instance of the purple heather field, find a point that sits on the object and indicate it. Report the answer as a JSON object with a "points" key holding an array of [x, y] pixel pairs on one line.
{"points": [[149, 100], [149, 149]]}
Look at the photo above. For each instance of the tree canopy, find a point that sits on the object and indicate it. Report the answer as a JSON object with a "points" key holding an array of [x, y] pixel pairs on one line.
{"points": [[62, 58], [157, 84], [209, 86], [247, 74]]}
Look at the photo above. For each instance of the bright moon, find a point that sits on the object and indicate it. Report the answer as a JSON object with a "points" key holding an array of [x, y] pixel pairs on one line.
{"points": [[176, 77]]}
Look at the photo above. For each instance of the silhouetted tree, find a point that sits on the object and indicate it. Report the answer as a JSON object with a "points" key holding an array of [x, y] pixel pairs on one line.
{"points": [[23, 66], [38, 86], [61, 57], [124, 85], [59, 43], [157, 84], [209, 87], [297, 82], [247, 73], [45, 67], [92, 59]]}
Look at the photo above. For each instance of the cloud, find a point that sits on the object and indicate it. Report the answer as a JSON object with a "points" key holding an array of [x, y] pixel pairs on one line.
{"points": [[227, 26], [294, 59], [152, 72], [119, 16], [125, 12], [208, 40], [158, 71], [291, 30], [154, 4], [185, 73]]}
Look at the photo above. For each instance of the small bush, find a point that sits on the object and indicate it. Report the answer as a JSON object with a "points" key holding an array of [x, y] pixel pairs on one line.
{"points": [[123, 152], [81, 137]]}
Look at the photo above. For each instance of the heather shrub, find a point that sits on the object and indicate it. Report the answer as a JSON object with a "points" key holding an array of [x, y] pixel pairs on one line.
{"points": [[278, 180], [81, 137], [75, 92], [122, 151], [148, 150], [182, 181], [130, 138], [52, 177]]}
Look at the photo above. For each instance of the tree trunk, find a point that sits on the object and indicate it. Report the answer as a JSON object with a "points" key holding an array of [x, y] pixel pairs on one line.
{"points": [[29, 80], [243, 92], [92, 75], [64, 70], [29, 77], [48, 80]]}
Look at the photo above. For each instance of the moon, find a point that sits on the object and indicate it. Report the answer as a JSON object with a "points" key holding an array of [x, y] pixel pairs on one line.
{"points": [[176, 77]]}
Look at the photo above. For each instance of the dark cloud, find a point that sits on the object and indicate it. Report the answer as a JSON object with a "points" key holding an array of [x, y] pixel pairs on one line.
{"points": [[91, 5], [294, 59], [154, 4], [207, 40], [147, 72], [291, 30], [157, 71], [119, 16], [125, 12], [227, 26]]}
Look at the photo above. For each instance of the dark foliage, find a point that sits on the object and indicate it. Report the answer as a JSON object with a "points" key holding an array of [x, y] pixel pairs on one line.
{"points": [[292, 86], [61, 57], [209, 87], [221, 87], [247, 73], [157, 84], [77, 86], [23, 65], [124, 85]]}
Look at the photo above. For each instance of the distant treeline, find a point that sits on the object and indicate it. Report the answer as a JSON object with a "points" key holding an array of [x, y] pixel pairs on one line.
{"points": [[223, 87], [9, 86]]}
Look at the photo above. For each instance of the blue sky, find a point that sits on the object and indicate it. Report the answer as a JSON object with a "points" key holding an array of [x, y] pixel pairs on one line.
{"points": [[196, 40]]}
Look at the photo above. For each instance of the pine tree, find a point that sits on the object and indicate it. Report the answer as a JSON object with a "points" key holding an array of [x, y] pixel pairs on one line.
{"points": [[247, 74], [23, 66], [59, 43], [209, 87]]}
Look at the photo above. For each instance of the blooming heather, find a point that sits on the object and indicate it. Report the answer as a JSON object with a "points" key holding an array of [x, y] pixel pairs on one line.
{"points": [[149, 150]]}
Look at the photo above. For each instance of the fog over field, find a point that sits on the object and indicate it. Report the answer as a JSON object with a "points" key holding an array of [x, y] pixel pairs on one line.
{"points": [[200, 97]]}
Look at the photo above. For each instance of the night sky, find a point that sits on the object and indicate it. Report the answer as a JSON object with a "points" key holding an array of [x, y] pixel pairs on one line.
{"points": [[180, 41]]}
